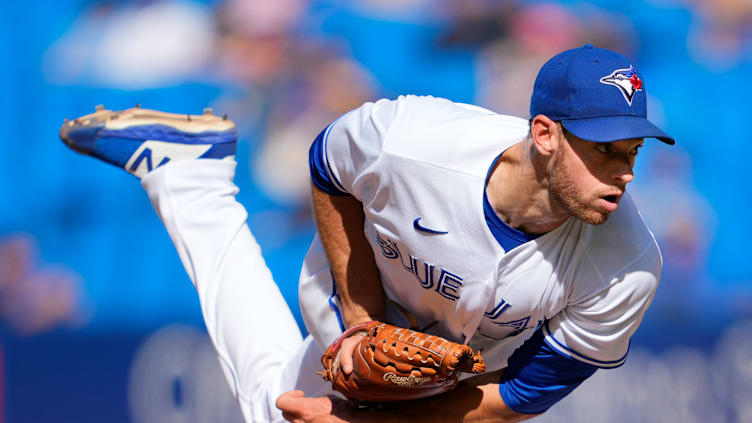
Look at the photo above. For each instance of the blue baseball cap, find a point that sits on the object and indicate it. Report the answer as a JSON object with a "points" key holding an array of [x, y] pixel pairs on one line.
{"points": [[596, 94]]}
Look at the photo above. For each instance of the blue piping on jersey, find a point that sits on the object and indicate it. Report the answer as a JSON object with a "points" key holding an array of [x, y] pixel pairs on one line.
{"points": [[322, 175], [326, 156], [563, 349], [334, 306]]}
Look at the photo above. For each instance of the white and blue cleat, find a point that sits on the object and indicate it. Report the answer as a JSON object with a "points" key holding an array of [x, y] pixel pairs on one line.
{"points": [[140, 140]]}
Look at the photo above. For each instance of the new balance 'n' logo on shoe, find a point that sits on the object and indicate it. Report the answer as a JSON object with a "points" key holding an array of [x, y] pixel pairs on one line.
{"points": [[140, 140]]}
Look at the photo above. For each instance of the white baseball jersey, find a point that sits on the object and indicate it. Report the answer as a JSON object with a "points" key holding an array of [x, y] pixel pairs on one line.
{"points": [[419, 165]]}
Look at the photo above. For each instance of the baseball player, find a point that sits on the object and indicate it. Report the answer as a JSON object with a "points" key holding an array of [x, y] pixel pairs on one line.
{"points": [[516, 237]]}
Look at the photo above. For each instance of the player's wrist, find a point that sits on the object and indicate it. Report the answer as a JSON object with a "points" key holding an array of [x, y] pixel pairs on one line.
{"points": [[355, 320], [355, 313]]}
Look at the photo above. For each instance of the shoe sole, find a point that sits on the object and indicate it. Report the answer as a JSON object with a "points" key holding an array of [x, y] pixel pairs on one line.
{"points": [[184, 125]]}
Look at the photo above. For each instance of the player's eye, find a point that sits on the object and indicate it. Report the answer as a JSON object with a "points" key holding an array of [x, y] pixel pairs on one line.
{"points": [[603, 148], [635, 150]]}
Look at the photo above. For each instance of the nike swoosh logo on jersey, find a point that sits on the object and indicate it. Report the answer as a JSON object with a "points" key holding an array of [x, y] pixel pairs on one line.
{"points": [[421, 228]]}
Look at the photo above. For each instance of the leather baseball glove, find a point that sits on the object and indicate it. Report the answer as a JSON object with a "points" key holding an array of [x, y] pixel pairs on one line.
{"points": [[395, 364]]}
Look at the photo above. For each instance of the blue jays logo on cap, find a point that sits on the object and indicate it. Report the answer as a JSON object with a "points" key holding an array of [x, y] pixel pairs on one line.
{"points": [[626, 80], [577, 88]]}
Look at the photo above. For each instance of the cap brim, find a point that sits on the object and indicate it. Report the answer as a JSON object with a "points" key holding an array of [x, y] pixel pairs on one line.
{"points": [[615, 128]]}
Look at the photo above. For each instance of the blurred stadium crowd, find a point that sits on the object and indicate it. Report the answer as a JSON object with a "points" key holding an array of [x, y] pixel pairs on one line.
{"points": [[87, 270]]}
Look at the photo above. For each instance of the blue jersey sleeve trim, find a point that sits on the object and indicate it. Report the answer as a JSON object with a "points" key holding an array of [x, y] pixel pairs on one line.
{"points": [[328, 166], [334, 306], [537, 376], [318, 162], [568, 352]]}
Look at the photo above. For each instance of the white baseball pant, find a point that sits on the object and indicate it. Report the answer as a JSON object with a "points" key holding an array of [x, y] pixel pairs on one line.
{"points": [[260, 347]]}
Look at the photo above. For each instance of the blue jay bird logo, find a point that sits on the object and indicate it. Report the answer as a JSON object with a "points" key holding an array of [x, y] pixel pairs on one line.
{"points": [[626, 80]]}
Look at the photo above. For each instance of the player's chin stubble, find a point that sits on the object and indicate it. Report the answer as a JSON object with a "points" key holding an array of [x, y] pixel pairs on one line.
{"points": [[561, 188]]}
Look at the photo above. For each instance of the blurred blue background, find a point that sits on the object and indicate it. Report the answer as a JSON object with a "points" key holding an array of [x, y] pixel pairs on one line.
{"points": [[99, 321]]}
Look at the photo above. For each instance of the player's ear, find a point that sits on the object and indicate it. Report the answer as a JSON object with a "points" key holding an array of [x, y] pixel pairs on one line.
{"points": [[545, 134]]}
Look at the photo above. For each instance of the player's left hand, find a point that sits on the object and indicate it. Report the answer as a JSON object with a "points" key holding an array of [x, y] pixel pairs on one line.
{"points": [[346, 352], [297, 408]]}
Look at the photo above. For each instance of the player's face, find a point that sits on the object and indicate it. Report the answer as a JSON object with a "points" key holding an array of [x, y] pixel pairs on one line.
{"points": [[588, 178]]}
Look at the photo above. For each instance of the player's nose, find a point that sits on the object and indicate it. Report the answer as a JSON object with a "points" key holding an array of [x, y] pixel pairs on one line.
{"points": [[627, 177], [623, 172]]}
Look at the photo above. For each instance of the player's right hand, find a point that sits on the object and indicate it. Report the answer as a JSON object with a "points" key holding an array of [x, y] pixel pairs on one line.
{"points": [[297, 408]]}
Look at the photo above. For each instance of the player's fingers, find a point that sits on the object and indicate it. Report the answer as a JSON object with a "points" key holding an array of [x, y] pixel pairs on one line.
{"points": [[346, 353], [287, 401], [298, 408], [345, 356]]}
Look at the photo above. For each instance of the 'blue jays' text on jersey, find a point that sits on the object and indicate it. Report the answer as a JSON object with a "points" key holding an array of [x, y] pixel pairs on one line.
{"points": [[419, 166]]}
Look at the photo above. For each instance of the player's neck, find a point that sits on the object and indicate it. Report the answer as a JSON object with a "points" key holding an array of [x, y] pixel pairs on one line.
{"points": [[518, 192]]}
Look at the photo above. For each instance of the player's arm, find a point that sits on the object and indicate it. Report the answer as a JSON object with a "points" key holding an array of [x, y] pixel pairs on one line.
{"points": [[470, 403], [343, 160], [340, 223], [338, 159], [536, 378]]}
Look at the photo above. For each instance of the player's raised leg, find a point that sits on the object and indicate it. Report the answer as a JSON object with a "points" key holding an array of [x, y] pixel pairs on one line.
{"points": [[187, 167]]}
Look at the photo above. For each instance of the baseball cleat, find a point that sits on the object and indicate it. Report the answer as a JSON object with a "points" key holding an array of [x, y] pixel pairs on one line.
{"points": [[140, 140]]}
